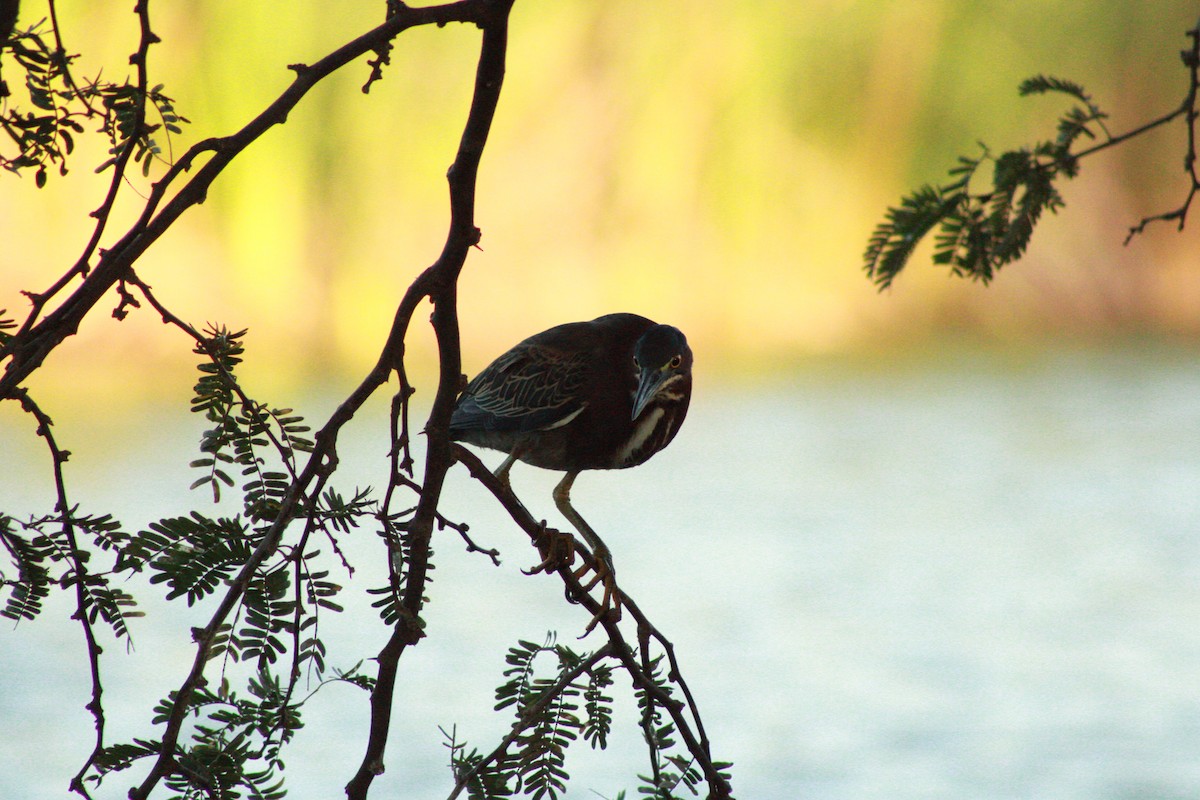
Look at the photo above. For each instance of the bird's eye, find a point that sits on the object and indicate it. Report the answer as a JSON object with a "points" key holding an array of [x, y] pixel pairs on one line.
{"points": [[636, 365], [675, 362]]}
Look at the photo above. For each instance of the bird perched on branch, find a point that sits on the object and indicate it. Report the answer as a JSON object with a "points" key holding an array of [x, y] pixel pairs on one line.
{"points": [[605, 394]]}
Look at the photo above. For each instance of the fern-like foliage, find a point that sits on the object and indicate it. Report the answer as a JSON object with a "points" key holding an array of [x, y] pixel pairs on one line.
{"points": [[598, 706], [978, 232], [197, 554], [550, 721], [123, 105], [31, 584], [544, 684], [7, 325], [235, 751], [45, 558], [671, 767], [242, 430], [44, 130], [272, 640], [542, 748], [479, 778], [267, 616], [401, 544], [1077, 120]]}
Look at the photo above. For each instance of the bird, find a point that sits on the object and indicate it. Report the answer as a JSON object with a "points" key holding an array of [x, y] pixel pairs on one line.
{"points": [[604, 394]]}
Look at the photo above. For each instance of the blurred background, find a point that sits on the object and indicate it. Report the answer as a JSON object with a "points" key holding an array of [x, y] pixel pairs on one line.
{"points": [[942, 541], [719, 169]]}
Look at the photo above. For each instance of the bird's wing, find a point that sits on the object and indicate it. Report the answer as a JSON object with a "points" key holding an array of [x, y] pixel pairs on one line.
{"points": [[531, 387]]}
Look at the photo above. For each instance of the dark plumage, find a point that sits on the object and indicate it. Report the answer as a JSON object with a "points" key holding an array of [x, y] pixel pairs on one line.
{"points": [[605, 394], [563, 399]]}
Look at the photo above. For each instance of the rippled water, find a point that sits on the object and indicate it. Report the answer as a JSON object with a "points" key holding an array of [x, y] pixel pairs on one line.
{"points": [[977, 578]]}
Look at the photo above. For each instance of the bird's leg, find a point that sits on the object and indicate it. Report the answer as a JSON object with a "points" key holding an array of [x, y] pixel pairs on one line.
{"points": [[554, 546], [501, 472], [604, 568]]}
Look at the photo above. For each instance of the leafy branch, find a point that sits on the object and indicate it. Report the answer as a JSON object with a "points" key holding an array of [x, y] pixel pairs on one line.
{"points": [[545, 725], [978, 232], [40, 334], [122, 111], [197, 557], [56, 541], [256, 573]]}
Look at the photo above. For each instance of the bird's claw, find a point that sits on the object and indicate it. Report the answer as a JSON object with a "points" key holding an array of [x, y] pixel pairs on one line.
{"points": [[611, 599], [557, 549]]}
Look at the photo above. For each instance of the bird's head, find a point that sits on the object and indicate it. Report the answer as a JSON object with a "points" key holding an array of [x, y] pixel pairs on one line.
{"points": [[663, 362]]}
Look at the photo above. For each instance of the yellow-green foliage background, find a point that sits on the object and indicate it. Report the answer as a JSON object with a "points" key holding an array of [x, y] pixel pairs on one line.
{"points": [[718, 165]]}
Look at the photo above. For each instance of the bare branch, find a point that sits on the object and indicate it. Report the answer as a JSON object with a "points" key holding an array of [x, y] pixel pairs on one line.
{"points": [[1191, 59], [439, 283]]}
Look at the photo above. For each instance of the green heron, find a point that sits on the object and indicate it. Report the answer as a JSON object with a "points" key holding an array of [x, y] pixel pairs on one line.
{"points": [[605, 394]]}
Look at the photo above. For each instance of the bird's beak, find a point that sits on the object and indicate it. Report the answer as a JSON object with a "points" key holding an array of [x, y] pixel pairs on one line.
{"points": [[648, 383]]}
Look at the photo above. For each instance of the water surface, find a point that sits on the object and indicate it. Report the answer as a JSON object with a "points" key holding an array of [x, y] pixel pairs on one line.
{"points": [[976, 577]]}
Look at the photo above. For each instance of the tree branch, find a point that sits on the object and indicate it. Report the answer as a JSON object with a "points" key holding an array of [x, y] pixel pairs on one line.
{"points": [[1191, 59], [978, 233], [29, 348], [28, 354], [78, 560], [439, 283]]}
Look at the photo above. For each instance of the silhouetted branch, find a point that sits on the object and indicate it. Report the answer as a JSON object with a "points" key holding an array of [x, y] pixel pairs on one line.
{"points": [[268, 587], [39, 337], [78, 573], [439, 284], [432, 283], [120, 162], [1191, 59]]}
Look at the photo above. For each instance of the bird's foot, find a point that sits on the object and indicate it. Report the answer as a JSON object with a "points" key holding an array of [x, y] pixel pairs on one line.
{"points": [[557, 549], [611, 600]]}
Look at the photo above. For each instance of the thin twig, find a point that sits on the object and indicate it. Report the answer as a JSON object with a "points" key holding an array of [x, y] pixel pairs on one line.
{"points": [[61, 53], [1191, 59], [77, 558], [286, 452]]}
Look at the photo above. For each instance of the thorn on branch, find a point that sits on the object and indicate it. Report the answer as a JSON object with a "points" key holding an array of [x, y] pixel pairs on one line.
{"points": [[394, 7]]}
